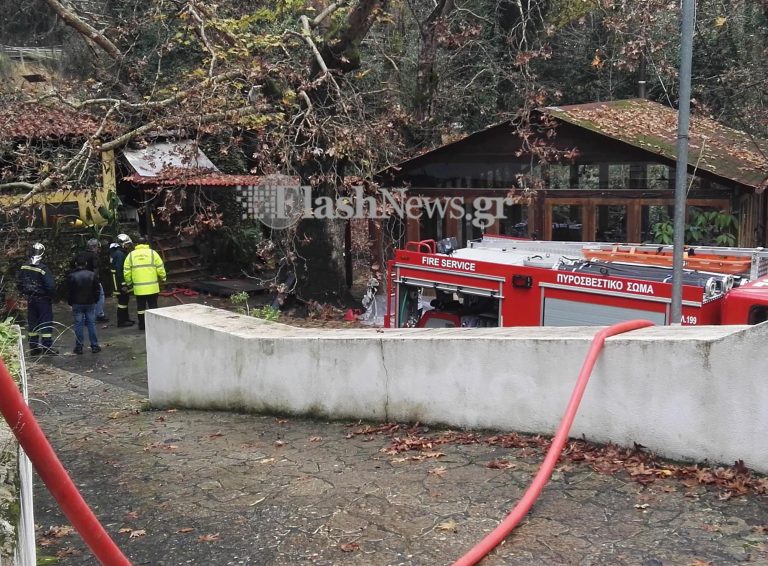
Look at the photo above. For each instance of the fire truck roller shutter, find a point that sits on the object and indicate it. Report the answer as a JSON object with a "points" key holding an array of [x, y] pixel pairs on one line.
{"points": [[561, 312]]}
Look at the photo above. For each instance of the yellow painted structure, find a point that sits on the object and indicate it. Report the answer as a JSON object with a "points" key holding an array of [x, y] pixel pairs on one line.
{"points": [[80, 206]]}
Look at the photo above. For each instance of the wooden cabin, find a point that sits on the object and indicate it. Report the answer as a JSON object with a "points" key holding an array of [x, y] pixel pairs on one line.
{"points": [[592, 172]]}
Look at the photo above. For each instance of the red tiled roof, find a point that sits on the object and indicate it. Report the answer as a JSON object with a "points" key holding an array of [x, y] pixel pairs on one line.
{"points": [[33, 120], [180, 177]]}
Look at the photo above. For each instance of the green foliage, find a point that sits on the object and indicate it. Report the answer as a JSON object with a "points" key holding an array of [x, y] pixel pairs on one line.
{"points": [[240, 301], [266, 312], [706, 227], [9, 347]]}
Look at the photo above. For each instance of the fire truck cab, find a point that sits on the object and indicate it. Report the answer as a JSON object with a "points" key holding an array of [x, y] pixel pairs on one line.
{"points": [[500, 281]]}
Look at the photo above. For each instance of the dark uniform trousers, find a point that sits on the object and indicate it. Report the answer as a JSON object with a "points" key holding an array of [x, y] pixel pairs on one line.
{"points": [[122, 298], [144, 302], [40, 322]]}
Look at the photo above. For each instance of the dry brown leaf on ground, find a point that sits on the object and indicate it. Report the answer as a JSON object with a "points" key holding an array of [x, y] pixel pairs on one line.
{"points": [[125, 530], [215, 434], [59, 531], [69, 551], [500, 465], [137, 533], [210, 537], [698, 562], [349, 546], [449, 525], [440, 471], [279, 443], [185, 530]]}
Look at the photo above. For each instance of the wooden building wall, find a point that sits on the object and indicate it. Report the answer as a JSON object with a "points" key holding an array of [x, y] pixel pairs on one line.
{"points": [[490, 164]]}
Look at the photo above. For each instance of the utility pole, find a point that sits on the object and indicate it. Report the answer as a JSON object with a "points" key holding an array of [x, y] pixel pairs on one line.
{"points": [[688, 15]]}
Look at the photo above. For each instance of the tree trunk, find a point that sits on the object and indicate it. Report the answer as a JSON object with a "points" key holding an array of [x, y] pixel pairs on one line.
{"points": [[427, 78], [323, 275]]}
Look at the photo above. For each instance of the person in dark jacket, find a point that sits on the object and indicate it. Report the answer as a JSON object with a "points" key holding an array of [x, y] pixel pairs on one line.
{"points": [[90, 255], [118, 251], [84, 288], [35, 282]]}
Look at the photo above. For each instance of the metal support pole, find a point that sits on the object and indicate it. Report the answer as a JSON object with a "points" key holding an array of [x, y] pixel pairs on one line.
{"points": [[681, 171]]}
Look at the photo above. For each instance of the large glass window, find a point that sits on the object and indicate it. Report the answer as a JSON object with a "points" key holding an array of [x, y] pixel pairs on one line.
{"points": [[589, 177], [658, 177], [618, 176], [611, 223], [559, 176], [567, 222], [515, 221], [652, 215]]}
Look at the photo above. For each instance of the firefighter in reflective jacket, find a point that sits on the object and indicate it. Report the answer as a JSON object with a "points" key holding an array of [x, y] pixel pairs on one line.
{"points": [[36, 283], [144, 271]]}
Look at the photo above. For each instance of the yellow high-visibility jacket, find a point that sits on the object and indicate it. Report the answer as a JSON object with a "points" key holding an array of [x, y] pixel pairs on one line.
{"points": [[144, 269]]}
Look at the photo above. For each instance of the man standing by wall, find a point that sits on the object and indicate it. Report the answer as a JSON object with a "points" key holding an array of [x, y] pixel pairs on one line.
{"points": [[118, 251], [84, 290], [35, 282], [144, 270]]}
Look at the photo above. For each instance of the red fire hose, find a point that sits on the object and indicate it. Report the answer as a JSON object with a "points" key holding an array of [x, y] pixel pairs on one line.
{"points": [[179, 291], [23, 424], [520, 510]]}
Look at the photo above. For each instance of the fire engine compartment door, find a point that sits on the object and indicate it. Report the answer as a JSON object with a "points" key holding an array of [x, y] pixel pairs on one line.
{"points": [[563, 312], [452, 282], [451, 288], [487, 286]]}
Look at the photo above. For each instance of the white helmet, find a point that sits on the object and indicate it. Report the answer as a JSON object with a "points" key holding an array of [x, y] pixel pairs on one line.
{"points": [[124, 240], [37, 252]]}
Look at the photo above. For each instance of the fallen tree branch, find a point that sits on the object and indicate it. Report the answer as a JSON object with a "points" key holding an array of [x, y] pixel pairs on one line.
{"points": [[85, 29]]}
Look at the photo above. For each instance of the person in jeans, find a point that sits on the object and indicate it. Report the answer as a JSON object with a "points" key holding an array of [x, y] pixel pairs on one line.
{"points": [[84, 290], [93, 262]]}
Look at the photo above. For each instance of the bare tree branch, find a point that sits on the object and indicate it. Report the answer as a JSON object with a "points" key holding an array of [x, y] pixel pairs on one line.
{"points": [[86, 30]]}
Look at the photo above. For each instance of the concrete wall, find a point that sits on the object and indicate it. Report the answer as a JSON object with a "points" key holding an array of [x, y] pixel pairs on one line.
{"points": [[684, 392]]}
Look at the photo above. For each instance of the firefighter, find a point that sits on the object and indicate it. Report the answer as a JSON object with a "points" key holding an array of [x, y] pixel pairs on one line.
{"points": [[92, 262], [118, 251], [35, 282], [143, 271]]}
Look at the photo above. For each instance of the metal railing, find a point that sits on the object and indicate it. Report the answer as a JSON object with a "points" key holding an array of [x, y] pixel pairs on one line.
{"points": [[32, 53]]}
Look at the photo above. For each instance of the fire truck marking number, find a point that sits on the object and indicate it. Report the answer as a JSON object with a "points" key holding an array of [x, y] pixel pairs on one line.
{"points": [[448, 263], [689, 319]]}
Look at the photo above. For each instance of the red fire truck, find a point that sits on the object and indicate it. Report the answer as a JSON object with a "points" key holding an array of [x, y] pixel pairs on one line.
{"points": [[501, 281]]}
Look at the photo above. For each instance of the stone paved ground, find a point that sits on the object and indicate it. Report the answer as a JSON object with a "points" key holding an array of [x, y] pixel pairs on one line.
{"points": [[191, 487]]}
